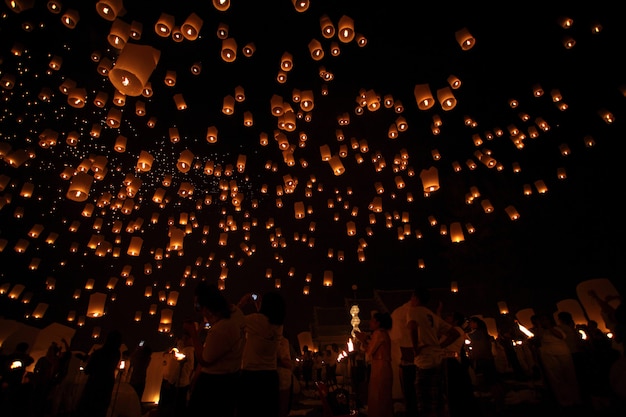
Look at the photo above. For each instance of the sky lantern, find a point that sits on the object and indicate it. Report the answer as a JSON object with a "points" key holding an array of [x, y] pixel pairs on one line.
{"points": [[133, 68], [512, 212], [430, 179], [79, 188], [96, 305], [191, 27], [465, 39], [316, 50], [446, 98], [176, 238], [185, 161], [327, 27], [110, 9], [70, 18], [328, 278], [164, 25], [301, 6], [119, 34], [423, 96], [134, 247], [229, 50], [345, 30]]}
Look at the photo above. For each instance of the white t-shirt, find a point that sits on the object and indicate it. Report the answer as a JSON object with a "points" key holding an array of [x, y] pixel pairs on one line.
{"points": [[429, 328]]}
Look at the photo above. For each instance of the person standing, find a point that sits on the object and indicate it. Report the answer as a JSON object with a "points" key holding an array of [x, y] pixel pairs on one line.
{"points": [[219, 357], [426, 330], [139, 362], [459, 389], [178, 366], [408, 370], [285, 379], [258, 380], [15, 391], [558, 364], [483, 360], [100, 371], [378, 347], [307, 366]]}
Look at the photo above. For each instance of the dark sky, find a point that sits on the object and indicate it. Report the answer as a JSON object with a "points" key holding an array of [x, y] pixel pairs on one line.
{"points": [[564, 236]]}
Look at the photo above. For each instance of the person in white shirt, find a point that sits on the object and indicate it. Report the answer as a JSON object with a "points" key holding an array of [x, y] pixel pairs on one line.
{"points": [[215, 386], [427, 328], [258, 380]]}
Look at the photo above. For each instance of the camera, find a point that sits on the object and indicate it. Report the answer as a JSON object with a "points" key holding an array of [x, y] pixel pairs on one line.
{"points": [[254, 296]]}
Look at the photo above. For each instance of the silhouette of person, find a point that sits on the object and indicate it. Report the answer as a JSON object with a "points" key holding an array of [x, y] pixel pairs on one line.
{"points": [[100, 370]]}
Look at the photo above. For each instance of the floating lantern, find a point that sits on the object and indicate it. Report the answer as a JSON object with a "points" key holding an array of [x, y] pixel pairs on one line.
{"points": [[119, 34], [191, 27], [70, 18], [465, 39], [164, 26], [328, 278], [80, 186], [423, 96], [110, 9], [430, 179], [345, 29], [326, 26], [184, 161], [229, 50], [134, 247], [446, 98], [96, 305], [133, 68]]}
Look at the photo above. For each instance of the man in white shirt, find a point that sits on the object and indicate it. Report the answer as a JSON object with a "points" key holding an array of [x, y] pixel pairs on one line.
{"points": [[427, 329]]}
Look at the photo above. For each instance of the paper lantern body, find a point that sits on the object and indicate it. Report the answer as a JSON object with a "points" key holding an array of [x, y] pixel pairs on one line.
{"points": [[133, 68]]}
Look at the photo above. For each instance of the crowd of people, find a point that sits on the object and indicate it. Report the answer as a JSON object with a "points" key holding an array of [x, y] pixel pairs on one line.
{"points": [[451, 365], [213, 365], [238, 360]]}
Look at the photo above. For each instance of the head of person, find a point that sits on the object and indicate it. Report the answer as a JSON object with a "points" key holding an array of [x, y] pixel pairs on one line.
{"points": [[273, 307], [381, 320], [420, 296], [211, 302], [476, 323], [22, 347], [113, 340], [565, 317]]}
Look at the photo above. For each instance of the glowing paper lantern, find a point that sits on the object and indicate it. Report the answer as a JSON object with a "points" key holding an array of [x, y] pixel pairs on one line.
{"points": [[328, 278], [316, 50], [446, 98], [191, 27], [456, 232], [184, 161], [110, 9], [119, 34], [97, 301], [134, 247], [70, 18], [133, 68], [229, 50], [345, 29], [301, 5], [465, 39], [326, 26], [423, 96], [80, 186], [430, 179], [512, 212], [40, 310]]}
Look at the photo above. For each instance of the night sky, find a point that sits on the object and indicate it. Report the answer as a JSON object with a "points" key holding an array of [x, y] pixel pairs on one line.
{"points": [[528, 101]]}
